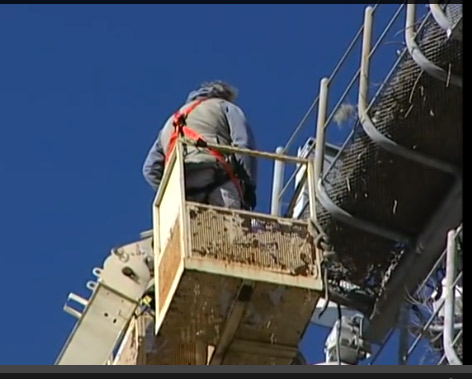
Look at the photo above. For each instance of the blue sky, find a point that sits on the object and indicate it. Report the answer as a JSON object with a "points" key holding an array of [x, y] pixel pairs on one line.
{"points": [[84, 90]]}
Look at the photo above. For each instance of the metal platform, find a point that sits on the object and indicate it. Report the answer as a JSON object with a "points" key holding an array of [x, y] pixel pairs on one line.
{"points": [[114, 300], [230, 286], [227, 282]]}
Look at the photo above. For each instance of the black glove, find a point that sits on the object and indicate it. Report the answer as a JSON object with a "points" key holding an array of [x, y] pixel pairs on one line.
{"points": [[250, 200]]}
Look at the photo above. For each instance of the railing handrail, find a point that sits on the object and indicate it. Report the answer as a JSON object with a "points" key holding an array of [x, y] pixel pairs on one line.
{"points": [[340, 101], [333, 74]]}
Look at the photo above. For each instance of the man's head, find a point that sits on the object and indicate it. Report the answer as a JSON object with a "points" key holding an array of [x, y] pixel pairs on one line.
{"points": [[216, 88]]}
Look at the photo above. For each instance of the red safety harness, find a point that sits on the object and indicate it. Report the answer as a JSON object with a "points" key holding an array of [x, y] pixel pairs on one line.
{"points": [[181, 129]]}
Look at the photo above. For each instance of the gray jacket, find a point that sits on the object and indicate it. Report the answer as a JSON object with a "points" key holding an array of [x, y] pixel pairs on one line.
{"points": [[217, 121]]}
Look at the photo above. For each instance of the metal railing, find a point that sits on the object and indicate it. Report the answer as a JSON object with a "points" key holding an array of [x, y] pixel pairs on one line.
{"points": [[449, 316], [434, 327], [326, 115], [365, 121]]}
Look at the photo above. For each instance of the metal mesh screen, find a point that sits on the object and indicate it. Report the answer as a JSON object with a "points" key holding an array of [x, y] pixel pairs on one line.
{"points": [[419, 112], [453, 12], [258, 241]]}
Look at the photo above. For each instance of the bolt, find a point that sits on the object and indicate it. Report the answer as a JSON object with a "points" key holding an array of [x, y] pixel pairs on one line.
{"points": [[128, 271]]}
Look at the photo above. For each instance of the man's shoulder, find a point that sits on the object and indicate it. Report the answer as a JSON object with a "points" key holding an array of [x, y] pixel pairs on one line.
{"points": [[216, 101], [225, 105]]}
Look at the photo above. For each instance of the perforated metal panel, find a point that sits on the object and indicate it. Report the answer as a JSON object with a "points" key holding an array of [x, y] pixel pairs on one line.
{"points": [[453, 12], [258, 241]]}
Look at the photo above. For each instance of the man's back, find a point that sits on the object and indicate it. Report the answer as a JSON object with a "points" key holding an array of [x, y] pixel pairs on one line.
{"points": [[207, 119], [216, 119]]}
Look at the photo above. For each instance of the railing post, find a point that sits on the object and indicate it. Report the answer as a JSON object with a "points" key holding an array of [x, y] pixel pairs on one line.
{"points": [[363, 101], [320, 130], [449, 308], [310, 168], [279, 168], [417, 55]]}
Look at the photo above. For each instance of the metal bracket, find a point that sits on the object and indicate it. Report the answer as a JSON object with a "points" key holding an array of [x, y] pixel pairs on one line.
{"points": [[115, 296]]}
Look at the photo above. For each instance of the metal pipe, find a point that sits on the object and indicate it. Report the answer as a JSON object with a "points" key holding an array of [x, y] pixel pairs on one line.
{"points": [[319, 151], [322, 178], [449, 313], [331, 77], [251, 153], [298, 190], [300, 184], [440, 328], [436, 265], [366, 45], [429, 322], [367, 124], [311, 190], [372, 51], [439, 16], [277, 184], [343, 96], [416, 54], [459, 335], [393, 68], [320, 129]]}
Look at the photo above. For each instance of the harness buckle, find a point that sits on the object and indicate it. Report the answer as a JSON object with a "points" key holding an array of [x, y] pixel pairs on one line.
{"points": [[200, 143], [179, 120]]}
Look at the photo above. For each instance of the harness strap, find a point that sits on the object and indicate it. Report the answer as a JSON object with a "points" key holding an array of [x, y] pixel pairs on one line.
{"points": [[182, 130]]}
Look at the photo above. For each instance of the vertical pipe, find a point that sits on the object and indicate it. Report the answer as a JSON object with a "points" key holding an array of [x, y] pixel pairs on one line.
{"points": [[310, 168], [363, 101], [449, 313], [279, 167], [320, 130]]}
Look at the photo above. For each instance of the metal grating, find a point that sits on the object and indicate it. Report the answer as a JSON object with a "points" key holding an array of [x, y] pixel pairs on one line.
{"points": [[416, 111], [282, 245], [453, 12]]}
